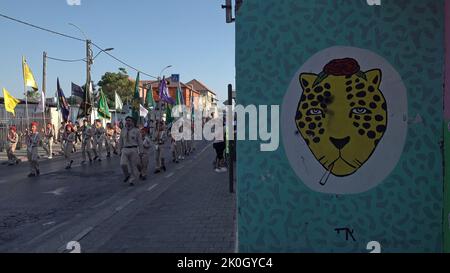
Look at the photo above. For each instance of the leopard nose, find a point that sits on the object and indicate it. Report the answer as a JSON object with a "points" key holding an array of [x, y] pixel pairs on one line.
{"points": [[340, 142]]}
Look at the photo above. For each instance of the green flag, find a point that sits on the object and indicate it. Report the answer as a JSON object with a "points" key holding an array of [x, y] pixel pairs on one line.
{"points": [[136, 104], [149, 100], [103, 109], [179, 97], [169, 117]]}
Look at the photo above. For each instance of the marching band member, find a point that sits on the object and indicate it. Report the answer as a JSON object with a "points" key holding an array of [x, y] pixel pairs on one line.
{"points": [[99, 138], [69, 139], [33, 140], [13, 138], [131, 148]]}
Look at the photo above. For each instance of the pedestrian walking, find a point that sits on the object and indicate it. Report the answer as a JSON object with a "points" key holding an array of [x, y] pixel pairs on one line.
{"points": [[99, 139], [61, 131], [131, 149], [145, 157], [13, 139], [159, 144], [33, 139], [109, 140], [87, 134], [69, 140], [49, 134]]}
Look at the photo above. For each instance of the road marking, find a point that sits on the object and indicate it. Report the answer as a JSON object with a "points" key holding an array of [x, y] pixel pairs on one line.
{"points": [[100, 204], [152, 187], [119, 208], [57, 192], [169, 175], [49, 223]]}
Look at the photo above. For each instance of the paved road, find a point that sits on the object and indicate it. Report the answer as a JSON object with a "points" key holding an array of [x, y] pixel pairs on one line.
{"points": [[186, 209]]}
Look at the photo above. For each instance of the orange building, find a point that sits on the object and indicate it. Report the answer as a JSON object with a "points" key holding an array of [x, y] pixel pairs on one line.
{"points": [[188, 91]]}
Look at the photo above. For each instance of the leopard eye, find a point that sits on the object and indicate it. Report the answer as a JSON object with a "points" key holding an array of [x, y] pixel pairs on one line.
{"points": [[361, 111], [314, 112]]}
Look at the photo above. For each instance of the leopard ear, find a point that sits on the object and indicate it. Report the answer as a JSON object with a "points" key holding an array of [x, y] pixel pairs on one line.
{"points": [[374, 77], [307, 80]]}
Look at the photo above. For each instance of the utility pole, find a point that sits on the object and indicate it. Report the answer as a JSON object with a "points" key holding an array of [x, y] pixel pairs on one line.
{"points": [[88, 80], [44, 83], [230, 140]]}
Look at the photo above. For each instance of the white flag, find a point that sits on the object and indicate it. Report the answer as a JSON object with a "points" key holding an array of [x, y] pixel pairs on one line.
{"points": [[41, 106], [143, 111], [118, 102]]}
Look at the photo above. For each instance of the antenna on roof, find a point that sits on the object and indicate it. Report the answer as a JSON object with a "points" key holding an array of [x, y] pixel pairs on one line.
{"points": [[228, 11]]}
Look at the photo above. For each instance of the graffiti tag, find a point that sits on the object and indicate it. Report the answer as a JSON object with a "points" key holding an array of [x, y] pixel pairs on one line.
{"points": [[348, 233]]}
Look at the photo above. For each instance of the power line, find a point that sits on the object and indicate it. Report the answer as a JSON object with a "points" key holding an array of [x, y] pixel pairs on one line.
{"points": [[124, 63], [74, 38], [65, 60], [41, 28]]}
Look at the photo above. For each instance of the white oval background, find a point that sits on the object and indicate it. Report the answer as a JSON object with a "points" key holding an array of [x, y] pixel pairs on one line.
{"points": [[387, 154]]}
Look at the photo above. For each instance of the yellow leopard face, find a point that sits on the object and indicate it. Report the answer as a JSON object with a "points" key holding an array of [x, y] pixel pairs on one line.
{"points": [[342, 118]]}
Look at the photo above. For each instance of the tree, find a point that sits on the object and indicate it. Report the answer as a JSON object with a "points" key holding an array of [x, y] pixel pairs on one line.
{"points": [[117, 82]]}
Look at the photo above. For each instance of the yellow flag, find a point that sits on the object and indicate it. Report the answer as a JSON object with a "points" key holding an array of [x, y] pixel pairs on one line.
{"points": [[10, 102], [28, 76]]}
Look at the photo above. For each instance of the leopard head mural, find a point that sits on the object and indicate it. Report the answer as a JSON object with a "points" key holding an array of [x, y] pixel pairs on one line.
{"points": [[342, 115]]}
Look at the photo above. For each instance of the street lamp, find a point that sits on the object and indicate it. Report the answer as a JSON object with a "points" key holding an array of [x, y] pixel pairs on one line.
{"points": [[82, 32], [167, 67], [103, 50]]}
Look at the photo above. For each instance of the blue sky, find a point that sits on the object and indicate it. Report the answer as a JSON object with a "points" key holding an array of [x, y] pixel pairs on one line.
{"points": [[191, 35]]}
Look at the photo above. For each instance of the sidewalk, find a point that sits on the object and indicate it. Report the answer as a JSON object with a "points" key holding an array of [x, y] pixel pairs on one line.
{"points": [[197, 214]]}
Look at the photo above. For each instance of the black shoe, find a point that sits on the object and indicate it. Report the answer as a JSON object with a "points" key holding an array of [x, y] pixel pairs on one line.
{"points": [[95, 158], [131, 184], [109, 155], [115, 153], [38, 172], [90, 160], [68, 167], [126, 179], [144, 178], [156, 171], [31, 175], [164, 168]]}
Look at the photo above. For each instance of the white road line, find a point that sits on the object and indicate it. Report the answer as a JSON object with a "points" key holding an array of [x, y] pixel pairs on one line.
{"points": [[152, 187], [169, 175], [100, 204], [57, 192], [49, 223], [82, 234], [124, 205]]}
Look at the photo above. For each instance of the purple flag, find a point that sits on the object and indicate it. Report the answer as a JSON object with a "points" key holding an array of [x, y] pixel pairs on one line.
{"points": [[164, 92]]}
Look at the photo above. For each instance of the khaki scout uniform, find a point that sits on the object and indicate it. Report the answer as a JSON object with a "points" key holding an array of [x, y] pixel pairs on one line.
{"points": [[159, 149], [68, 139], [130, 146], [32, 152], [86, 145], [61, 132], [13, 138], [145, 158], [48, 141], [99, 138], [109, 141]]}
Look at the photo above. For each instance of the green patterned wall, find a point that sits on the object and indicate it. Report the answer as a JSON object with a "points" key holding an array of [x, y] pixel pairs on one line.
{"points": [[278, 210]]}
